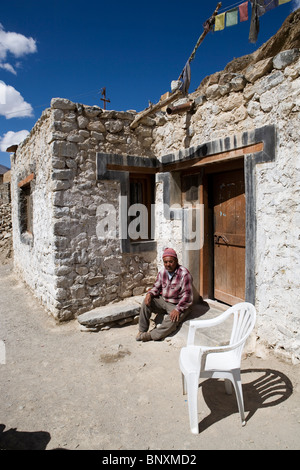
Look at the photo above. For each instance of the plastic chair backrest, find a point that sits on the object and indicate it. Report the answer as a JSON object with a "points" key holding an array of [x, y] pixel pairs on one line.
{"points": [[243, 323]]}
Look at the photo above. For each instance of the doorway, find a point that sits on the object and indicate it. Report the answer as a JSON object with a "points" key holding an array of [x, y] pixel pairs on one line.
{"points": [[242, 151], [228, 234], [219, 269]]}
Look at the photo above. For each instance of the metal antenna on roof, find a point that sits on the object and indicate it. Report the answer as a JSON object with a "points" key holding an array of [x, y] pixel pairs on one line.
{"points": [[104, 99]]}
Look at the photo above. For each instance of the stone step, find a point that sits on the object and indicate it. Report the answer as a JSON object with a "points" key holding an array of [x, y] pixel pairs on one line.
{"points": [[129, 308], [111, 313]]}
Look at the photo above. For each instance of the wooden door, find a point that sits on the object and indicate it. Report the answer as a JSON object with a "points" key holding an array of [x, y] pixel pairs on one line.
{"points": [[229, 236]]}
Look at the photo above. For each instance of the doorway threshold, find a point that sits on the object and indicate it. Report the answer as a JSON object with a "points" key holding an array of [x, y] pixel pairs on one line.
{"points": [[207, 310], [216, 304]]}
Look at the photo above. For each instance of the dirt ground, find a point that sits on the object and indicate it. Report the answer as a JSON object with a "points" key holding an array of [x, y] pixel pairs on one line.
{"points": [[62, 388]]}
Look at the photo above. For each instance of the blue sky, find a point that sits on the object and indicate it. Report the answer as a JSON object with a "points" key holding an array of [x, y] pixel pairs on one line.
{"points": [[72, 49]]}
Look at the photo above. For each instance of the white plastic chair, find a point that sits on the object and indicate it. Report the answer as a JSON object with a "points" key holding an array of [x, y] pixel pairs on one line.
{"points": [[222, 362]]}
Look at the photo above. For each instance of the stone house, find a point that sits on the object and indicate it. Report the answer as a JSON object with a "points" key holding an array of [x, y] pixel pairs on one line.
{"points": [[218, 174], [4, 183], [5, 215]]}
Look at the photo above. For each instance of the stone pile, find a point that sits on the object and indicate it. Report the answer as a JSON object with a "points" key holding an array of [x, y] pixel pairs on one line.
{"points": [[221, 84], [5, 232], [232, 102], [79, 128]]}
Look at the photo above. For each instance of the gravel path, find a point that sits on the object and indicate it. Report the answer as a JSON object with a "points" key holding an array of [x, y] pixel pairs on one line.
{"points": [[65, 389]]}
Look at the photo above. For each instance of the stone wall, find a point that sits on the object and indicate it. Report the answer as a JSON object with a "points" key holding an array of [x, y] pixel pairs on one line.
{"points": [[5, 219], [92, 272], [34, 258], [228, 104], [4, 193], [5, 232], [61, 151]]}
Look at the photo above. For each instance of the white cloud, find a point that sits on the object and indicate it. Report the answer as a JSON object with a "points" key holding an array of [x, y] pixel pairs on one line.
{"points": [[15, 44], [12, 103], [12, 138], [296, 4], [8, 67]]}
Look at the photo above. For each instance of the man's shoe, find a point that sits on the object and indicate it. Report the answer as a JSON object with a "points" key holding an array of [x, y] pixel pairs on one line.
{"points": [[146, 337], [141, 336]]}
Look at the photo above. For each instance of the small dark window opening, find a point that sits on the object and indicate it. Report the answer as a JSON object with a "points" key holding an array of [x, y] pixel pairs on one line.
{"points": [[141, 192], [26, 210]]}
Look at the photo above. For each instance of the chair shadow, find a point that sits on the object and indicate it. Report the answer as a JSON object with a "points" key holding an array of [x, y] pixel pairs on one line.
{"points": [[268, 388], [198, 310], [18, 440]]}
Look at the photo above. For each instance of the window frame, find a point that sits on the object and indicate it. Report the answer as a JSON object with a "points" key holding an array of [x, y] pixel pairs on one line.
{"points": [[147, 182], [26, 208]]}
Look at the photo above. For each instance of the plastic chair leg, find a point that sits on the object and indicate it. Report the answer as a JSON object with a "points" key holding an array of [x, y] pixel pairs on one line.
{"points": [[228, 387], [239, 396], [192, 391], [184, 389]]}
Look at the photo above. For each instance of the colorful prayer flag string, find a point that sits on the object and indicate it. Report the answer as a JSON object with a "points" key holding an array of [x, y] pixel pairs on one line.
{"points": [[232, 16], [243, 9], [220, 22], [270, 4]]}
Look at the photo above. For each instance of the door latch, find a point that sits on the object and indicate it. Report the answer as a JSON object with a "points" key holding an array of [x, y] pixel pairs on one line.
{"points": [[217, 239]]}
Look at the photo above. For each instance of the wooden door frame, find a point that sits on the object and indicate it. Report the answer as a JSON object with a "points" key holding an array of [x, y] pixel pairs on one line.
{"points": [[206, 255], [206, 276], [253, 147]]}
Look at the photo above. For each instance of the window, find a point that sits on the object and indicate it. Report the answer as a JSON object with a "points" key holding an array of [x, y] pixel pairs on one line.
{"points": [[25, 207], [141, 198]]}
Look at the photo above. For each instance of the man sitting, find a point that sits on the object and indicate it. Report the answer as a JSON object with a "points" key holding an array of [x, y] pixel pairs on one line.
{"points": [[171, 295]]}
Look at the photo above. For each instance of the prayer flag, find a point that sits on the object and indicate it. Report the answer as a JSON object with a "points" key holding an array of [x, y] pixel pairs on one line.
{"points": [[270, 4], [260, 5], [220, 22], [254, 24], [244, 12], [281, 2], [186, 78], [232, 17]]}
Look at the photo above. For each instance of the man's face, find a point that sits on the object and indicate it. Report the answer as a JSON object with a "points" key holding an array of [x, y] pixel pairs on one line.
{"points": [[170, 263]]}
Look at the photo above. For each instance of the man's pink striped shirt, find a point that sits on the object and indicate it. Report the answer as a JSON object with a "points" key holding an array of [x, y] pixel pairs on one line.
{"points": [[178, 290]]}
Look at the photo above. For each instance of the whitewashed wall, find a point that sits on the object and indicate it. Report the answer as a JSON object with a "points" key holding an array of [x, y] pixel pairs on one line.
{"points": [[268, 93]]}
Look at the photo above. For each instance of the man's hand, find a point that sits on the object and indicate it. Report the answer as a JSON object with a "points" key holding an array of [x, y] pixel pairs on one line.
{"points": [[148, 300], [174, 315]]}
